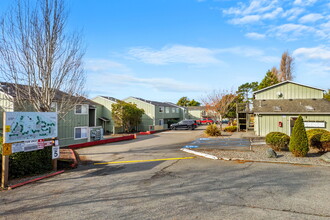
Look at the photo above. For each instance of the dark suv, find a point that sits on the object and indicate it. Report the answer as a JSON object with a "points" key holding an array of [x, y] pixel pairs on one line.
{"points": [[184, 124]]}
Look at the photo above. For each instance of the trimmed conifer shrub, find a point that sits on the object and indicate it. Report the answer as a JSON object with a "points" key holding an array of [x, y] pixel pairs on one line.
{"points": [[299, 141], [213, 130], [278, 141]]}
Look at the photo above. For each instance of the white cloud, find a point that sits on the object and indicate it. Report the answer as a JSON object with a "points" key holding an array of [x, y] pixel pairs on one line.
{"points": [[103, 64], [246, 19], [250, 52], [291, 31], [291, 20], [311, 18], [321, 53], [159, 84], [293, 13], [255, 36], [273, 14], [255, 7], [304, 2], [174, 54]]}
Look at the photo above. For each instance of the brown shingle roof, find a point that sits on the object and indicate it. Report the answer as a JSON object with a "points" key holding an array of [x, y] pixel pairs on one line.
{"points": [[280, 106]]}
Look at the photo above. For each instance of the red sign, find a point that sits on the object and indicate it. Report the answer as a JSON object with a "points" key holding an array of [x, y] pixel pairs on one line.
{"points": [[41, 143]]}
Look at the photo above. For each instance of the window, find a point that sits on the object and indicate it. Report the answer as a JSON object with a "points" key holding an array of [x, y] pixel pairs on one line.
{"points": [[167, 109], [53, 107], [173, 110], [177, 110], [161, 122], [80, 133], [81, 109], [161, 109]]}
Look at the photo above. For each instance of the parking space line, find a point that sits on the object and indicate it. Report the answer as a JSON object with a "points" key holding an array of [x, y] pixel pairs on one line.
{"points": [[139, 161]]}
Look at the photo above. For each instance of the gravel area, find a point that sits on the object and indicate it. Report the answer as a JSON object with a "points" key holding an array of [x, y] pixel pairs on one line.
{"points": [[258, 153]]}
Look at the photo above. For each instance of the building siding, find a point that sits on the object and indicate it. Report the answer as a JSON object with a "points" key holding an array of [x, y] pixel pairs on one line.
{"points": [[265, 124], [105, 110], [148, 118], [290, 91]]}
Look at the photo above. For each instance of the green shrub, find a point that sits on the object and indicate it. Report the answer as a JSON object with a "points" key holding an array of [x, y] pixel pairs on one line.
{"points": [[299, 141], [278, 141], [213, 130], [325, 141], [230, 128], [314, 136], [30, 163]]}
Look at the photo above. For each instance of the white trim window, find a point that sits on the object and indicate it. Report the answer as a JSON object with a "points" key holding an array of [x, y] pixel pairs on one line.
{"points": [[81, 109], [53, 106], [161, 108], [80, 132], [167, 109], [173, 110], [177, 110]]}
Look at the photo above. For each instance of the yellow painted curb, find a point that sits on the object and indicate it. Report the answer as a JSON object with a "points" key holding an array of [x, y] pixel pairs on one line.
{"points": [[138, 161]]}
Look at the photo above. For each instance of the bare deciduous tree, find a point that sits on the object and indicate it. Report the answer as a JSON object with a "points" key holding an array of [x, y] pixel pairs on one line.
{"points": [[286, 67], [218, 103], [41, 61]]}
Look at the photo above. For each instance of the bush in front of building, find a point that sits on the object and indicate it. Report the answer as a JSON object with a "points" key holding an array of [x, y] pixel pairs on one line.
{"points": [[30, 163], [299, 141], [314, 138], [230, 128], [213, 130], [325, 141], [278, 141]]}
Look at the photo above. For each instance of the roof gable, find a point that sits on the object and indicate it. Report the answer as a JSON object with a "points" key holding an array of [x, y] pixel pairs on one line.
{"points": [[289, 90], [285, 82]]}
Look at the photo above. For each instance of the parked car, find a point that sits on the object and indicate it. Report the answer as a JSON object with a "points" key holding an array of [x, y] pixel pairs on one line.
{"points": [[204, 121], [225, 121], [184, 124]]}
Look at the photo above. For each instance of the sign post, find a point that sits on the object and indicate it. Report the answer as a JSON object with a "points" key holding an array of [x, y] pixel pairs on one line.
{"points": [[55, 155], [5, 168]]}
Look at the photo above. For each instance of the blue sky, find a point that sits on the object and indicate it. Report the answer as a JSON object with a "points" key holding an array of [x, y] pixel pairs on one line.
{"points": [[165, 49]]}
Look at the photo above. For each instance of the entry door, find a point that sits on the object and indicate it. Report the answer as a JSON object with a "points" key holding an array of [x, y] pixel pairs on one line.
{"points": [[292, 121]]}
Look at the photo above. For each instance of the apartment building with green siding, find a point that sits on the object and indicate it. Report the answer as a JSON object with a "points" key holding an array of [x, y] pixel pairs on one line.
{"points": [[79, 125], [277, 107], [158, 115], [105, 114]]}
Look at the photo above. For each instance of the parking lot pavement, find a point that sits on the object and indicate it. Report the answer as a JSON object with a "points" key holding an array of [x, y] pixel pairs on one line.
{"points": [[159, 145], [195, 188]]}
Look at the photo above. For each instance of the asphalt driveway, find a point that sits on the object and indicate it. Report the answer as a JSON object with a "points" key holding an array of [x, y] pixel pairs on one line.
{"points": [[175, 189]]}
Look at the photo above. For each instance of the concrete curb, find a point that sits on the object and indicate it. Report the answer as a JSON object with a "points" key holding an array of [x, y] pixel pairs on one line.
{"points": [[244, 160], [34, 180], [199, 154]]}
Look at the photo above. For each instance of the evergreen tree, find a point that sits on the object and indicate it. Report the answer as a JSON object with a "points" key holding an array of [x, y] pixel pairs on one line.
{"points": [[299, 141], [327, 95], [193, 102], [183, 101], [269, 80]]}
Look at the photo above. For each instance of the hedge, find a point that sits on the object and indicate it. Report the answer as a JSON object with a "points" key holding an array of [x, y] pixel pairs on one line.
{"points": [[325, 141], [278, 141], [314, 138], [230, 128], [29, 163]]}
